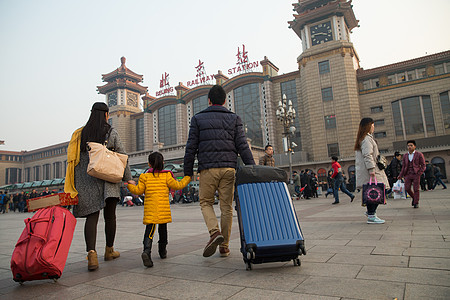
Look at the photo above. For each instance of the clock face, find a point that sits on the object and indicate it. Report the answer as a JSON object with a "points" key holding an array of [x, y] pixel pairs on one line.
{"points": [[112, 99], [132, 99], [321, 33]]}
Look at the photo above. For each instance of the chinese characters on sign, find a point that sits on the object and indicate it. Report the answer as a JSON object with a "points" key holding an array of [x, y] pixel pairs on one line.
{"points": [[164, 85], [242, 56], [202, 77], [243, 66]]}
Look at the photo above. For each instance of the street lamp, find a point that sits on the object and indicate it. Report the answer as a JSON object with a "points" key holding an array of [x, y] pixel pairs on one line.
{"points": [[286, 115]]}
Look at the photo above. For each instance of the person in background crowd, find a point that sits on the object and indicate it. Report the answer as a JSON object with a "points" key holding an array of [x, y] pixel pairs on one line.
{"points": [[330, 184], [33, 194], [45, 192], [339, 181], [267, 159], [15, 202], [423, 182], [314, 185], [297, 183], [429, 175], [2, 205], [352, 181], [216, 137], [94, 194], [7, 202], [366, 152], [22, 202], [438, 177], [413, 167], [393, 169], [306, 180]]}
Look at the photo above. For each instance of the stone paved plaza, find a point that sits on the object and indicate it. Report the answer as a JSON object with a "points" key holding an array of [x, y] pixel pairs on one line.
{"points": [[408, 257]]}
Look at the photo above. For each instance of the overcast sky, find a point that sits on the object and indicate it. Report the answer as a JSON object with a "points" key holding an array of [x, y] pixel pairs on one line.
{"points": [[53, 53]]}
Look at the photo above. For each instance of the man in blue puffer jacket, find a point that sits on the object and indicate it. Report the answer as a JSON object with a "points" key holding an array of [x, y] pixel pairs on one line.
{"points": [[216, 136]]}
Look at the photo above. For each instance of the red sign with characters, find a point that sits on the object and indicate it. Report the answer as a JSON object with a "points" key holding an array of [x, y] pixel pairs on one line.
{"points": [[202, 77], [243, 64], [164, 85]]}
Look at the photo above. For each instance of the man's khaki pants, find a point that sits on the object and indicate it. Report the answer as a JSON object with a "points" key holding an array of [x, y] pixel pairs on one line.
{"points": [[222, 180]]}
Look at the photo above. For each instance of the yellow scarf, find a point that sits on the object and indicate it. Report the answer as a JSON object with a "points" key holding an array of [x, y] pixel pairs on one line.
{"points": [[73, 158]]}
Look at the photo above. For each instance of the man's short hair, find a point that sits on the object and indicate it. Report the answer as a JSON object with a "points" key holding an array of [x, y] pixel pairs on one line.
{"points": [[412, 142], [217, 95], [268, 145], [335, 158], [396, 153], [295, 172]]}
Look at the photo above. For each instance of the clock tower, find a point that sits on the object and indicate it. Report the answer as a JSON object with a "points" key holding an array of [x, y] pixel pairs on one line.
{"points": [[328, 85], [123, 91]]}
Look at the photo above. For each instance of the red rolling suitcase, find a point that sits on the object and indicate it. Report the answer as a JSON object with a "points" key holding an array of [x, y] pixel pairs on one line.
{"points": [[42, 249]]}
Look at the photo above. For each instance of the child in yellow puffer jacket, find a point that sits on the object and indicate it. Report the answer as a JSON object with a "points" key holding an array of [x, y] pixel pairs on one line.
{"points": [[155, 184]]}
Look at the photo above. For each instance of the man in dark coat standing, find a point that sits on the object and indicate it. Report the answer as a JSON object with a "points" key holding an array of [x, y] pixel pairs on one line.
{"points": [[412, 167], [267, 159], [216, 136]]}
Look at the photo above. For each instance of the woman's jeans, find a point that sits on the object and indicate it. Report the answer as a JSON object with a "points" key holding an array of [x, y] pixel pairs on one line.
{"points": [[339, 183]]}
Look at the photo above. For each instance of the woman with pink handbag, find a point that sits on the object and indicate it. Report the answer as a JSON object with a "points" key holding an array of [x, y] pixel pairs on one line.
{"points": [[94, 194], [366, 153]]}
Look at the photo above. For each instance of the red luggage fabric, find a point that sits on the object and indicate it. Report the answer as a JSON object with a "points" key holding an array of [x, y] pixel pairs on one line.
{"points": [[130, 203], [42, 249]]}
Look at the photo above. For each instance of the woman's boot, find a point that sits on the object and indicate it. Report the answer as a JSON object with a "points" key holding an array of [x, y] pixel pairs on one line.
{"points": [[110, 254], [92, 260], [146, 255]]}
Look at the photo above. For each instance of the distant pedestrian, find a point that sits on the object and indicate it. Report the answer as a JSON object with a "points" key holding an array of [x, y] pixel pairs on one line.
{"points": [[45, 192], [393, 169], [438, 177], [330, 184], [2, 205], [267, 159], [297, 183], [366, 152], [156, 184], [429, 175], [216, 137], [339, 181], [413, 167]]}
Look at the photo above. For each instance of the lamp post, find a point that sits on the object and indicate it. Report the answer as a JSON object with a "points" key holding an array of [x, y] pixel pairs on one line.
{"points": [[286, 115]]}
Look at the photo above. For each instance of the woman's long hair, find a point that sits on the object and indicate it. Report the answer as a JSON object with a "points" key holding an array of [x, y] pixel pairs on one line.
{"points": [[156, 160], [364, 129], [96, 127]]}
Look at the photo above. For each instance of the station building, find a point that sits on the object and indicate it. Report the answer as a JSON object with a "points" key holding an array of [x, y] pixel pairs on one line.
{"points": [[329, 90]]}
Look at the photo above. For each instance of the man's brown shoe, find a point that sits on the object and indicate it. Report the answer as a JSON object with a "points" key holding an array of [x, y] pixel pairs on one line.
{"points": [[224, 252], [215, 240]]}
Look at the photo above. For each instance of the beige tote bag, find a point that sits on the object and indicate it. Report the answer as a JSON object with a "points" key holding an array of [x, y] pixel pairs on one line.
{"points": [[106, 164]]}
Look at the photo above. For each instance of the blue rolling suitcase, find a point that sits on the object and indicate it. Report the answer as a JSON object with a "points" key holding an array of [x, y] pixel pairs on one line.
{"points": [[268, 223]]}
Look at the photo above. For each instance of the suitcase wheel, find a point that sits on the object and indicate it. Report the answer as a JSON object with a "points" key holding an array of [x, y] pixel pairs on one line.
{"points": [[249, 266], [250, 254], [297, 262]]}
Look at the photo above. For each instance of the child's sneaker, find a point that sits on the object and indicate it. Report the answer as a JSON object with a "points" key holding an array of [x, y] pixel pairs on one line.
{"points": [[374, 220]]}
